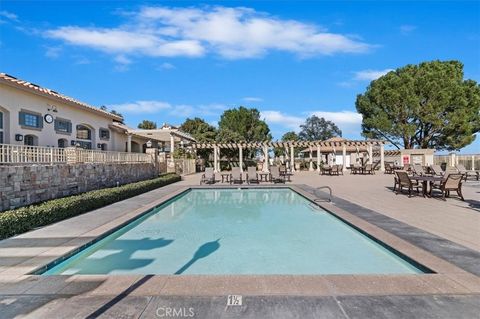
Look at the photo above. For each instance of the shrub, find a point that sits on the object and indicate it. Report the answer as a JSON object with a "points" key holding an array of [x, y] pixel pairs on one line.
{"points": [[17, 221]]}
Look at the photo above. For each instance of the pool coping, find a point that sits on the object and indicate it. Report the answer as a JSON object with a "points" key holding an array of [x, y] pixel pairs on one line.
{"points": [[447, 279]]}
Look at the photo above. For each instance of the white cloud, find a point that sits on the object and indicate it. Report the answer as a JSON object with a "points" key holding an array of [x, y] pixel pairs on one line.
{"points": [[348, 121], [252, 99], [341, 117], [231, 33], [141, 107], [9, 15], [407, 28], [53, 52], [370, 75], [288, 121], [166, 66], [178, 110]]}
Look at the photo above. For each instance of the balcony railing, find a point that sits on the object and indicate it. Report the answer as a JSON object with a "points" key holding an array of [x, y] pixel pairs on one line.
{"points": [[22, 154]]}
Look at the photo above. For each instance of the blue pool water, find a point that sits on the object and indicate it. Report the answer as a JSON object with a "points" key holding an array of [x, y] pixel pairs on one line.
{"points": [[236, 231]]}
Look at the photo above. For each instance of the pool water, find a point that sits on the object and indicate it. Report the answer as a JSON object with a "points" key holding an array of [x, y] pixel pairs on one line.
{"points": [[236, 231]]}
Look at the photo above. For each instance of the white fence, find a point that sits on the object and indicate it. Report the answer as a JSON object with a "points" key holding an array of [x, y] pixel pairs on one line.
{"points": [[470, 162], [78, 155], [22, 154]]}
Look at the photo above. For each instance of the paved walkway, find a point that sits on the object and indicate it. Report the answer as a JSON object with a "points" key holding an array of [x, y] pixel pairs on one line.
{"points": [[452, 219]]}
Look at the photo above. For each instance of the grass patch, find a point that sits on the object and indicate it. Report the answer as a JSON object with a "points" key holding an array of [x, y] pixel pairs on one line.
{"points": [[20, 220]]}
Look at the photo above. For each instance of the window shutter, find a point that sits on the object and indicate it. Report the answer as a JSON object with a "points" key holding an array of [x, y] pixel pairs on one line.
{"points": [[21, 118], [69, 127], [39, 121], [55, 125]]}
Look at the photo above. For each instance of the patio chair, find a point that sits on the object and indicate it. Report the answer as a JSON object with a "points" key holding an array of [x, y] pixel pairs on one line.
{"points": [[407, 168], [437, 170], [368, 169], [252, 176], [337, 170], [388, 168], [275, 176], [208, 177], [236, 176], [452, 182], [355, 169], [462, 170], [417, 169], [403, 180]]}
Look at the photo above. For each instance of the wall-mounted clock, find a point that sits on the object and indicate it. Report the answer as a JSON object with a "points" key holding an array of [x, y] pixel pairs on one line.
{"points": [[48, 118]]}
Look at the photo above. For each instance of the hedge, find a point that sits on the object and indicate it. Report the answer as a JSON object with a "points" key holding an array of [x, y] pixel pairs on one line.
{"points": [[20, 220]]}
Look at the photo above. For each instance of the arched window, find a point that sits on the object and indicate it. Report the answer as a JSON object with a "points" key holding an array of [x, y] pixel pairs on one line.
{"points": [[30, 140], [1, 127], [62, 143], [83, 132]]}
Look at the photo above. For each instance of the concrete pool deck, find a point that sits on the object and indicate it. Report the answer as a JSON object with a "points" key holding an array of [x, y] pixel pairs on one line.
{"points": [[454, 291]]}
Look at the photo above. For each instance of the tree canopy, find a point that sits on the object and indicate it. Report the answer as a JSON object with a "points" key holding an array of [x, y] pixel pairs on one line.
{"points": [[199, 129], [246, 123], [428, 105], [290, 136], [147, 125], [317, 128]]}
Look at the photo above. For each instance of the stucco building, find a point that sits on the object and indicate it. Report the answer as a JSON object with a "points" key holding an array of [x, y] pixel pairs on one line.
{"points": [[37, 116]]}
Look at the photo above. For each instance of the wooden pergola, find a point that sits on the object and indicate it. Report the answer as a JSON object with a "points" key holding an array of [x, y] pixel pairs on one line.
{"points": [[289, 147]]}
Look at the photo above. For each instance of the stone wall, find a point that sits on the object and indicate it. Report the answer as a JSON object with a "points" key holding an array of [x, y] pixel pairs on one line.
{"points": [[23, 185]]}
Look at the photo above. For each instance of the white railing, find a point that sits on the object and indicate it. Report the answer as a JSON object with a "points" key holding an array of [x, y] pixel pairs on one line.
{"points": [[23, 154], [78, 155], [469, 161]]}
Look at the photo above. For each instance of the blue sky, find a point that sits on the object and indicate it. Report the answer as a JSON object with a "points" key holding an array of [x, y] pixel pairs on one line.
{"points": [[165, 61]]}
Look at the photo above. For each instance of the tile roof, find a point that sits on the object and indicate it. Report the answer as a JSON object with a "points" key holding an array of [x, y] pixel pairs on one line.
{"points": [[5, 78]]}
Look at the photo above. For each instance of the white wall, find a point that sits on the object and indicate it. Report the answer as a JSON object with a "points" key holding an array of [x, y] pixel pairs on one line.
{"points": [[13, 100]]}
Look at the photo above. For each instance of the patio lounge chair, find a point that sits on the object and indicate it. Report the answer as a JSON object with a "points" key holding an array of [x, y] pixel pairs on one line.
{"points": [[368, 169], [252, 176], [453, 182], [337, 170], [388, 168], [417, 169], [403, 180], [355, 169], [236, 176], [437, 170], [208, 177], [275, 176], [466, 174]]}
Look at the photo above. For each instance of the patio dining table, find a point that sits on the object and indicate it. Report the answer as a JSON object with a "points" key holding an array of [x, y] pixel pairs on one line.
{"points": [[264, 176], [425, 181], [225, 177]]}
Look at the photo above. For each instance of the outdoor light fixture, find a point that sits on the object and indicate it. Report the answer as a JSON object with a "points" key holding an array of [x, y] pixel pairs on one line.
{"points": [[149, 144], [18, 137]]}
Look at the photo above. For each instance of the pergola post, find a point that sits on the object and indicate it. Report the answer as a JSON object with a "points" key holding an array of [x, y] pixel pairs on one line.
{"points": [[319, 157], [382, 157], [370, 153], [172, 144], [292, 158], [265, 165], [215, 159], [240, 157], [310, 168], [129, 143], [473, 162], [344, 157]]}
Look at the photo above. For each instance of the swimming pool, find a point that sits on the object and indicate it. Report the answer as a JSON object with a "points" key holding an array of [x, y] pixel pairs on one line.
{"points": [[236, 231]]}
